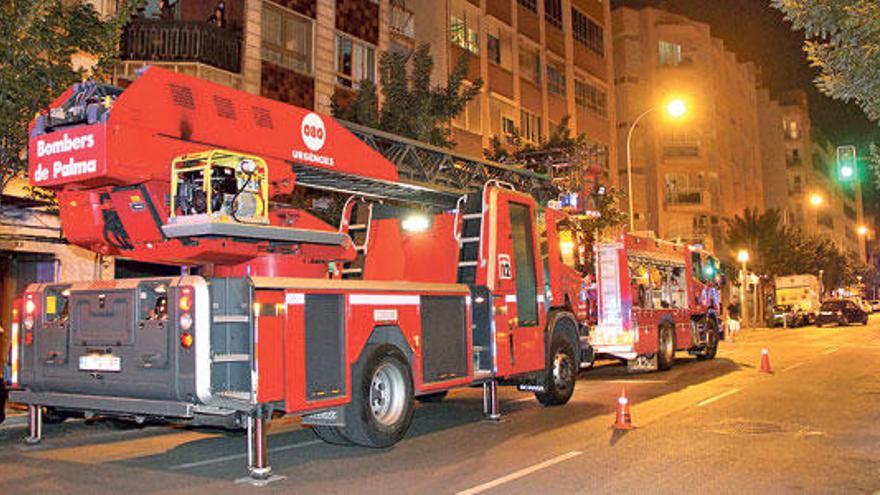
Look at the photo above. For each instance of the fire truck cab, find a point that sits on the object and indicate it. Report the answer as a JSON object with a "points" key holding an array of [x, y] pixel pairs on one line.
{"points": [[656, 298]]}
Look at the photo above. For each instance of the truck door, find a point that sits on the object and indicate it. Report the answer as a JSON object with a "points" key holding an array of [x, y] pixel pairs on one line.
{"points": [[518, 281]]}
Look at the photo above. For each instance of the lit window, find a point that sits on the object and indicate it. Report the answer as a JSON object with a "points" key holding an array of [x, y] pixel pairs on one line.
{"points": [[463, 32], [670, 53], [286, 39], [355, 61]]}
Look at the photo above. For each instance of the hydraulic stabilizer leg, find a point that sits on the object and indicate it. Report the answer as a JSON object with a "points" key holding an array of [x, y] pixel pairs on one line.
{"points": [[259, 472], [490, 401], [35, 425]]}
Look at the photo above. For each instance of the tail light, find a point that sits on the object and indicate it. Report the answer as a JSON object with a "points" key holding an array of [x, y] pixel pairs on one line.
{"points": [[30, 310], [14, 363], [185, 303]]}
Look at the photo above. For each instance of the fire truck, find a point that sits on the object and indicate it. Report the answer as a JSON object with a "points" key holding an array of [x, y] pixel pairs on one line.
{"points": [[422, 287], [655, 298]]}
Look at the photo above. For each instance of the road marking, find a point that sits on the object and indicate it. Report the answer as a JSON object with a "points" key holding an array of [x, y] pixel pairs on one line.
{"points": [[795, 365], [830, 351], [519, 474], [631, 381], [216, 460], [717, 397]]}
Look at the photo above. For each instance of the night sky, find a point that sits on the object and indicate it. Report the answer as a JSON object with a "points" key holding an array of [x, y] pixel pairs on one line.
{"points": [[756, 32]]}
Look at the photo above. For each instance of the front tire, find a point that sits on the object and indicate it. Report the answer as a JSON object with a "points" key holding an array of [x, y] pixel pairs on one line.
{"points": [[665, 348], [711, 348], [381, 407], [561, 373]]}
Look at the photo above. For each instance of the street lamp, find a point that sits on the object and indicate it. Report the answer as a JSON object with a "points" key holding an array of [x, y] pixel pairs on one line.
{"points": [[816, 200], [743, 257], [676, 109], [862, 230]]}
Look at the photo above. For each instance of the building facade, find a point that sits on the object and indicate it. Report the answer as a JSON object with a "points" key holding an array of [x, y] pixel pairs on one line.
{"points": [[688, 176], [816, 202]]}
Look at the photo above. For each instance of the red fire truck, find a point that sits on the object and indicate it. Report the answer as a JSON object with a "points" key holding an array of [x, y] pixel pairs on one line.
{"points": [[421, 288], [656, 298]]}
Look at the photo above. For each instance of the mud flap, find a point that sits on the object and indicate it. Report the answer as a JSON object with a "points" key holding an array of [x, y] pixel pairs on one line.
{"points": [[326, 417]]}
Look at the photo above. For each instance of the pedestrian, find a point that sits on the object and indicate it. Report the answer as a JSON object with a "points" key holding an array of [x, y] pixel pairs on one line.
{"points": [[733, 320], [218, 16]]}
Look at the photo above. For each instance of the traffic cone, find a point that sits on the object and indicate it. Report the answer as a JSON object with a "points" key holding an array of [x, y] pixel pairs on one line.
{"points": [[765, 361], [624, 419]]}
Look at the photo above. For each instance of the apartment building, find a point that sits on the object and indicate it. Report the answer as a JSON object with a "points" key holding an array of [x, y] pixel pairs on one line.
{"points": [[301, 52], [540, 60], [816, 202], [688, 175]]}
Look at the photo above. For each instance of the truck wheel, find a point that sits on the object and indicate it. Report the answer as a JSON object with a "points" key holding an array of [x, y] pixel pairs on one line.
{"points": [[434, 397], [665, 348], [381, 407], [711, 348], [331, 434], [561, 375]]}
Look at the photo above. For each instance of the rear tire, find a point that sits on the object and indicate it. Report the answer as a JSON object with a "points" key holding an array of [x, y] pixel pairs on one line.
{"points": [[665, 348], [561, 374], [381, 407], [331, 434]]}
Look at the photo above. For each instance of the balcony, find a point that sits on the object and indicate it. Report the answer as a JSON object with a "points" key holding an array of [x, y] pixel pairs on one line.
{"points": [[684, 197], [181, 41]]}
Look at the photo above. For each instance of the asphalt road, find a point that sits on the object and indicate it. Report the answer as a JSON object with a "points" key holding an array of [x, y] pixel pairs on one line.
{"points": [[703, 427]]}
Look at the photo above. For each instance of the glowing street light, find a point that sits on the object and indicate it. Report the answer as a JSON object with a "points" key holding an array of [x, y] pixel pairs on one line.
{"points": [[675, 109], [862, 230], [742, 256], [816, 200]]}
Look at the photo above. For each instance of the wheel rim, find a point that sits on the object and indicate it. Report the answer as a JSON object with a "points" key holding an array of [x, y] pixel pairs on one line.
{"points": [[562, 371], [387, 394]]}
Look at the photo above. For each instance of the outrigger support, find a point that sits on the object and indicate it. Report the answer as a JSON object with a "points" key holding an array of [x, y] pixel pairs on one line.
{"points": [[259, 471], [490, 401], [35, 425]]}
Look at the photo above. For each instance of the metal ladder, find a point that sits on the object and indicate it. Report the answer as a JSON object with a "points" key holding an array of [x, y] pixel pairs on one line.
{"points": [[469, 238], [357, 217]]}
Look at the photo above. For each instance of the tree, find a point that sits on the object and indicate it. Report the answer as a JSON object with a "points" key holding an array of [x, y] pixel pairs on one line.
{"points": [[38, 40], [843, 42], [411, 107], [569, 159]]}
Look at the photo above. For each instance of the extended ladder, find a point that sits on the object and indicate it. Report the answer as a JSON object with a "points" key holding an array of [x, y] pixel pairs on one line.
{"points": [[357, 217]]}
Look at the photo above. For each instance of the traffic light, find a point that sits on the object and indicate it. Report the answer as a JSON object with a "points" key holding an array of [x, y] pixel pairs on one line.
{"points": [[846, 164]]}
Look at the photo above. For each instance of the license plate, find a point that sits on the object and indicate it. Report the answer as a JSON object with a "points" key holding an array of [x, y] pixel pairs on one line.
{"points": [[100, 362]]}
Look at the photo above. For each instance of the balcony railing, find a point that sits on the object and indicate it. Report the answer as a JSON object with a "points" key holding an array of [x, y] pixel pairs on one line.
{"points": [[681, 150], [684, 197], [181, 41]]}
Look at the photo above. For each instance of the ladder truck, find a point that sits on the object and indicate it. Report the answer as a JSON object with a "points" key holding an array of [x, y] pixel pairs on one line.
{"points": [[454, 277]]}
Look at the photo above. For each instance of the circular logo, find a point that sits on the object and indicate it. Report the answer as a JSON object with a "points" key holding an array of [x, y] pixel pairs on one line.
{"points": [[313, 131]]}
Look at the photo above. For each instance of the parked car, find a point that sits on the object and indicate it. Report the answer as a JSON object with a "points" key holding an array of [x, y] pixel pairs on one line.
{"points": [[787, 315], [842, 312], [875, 304], [863, 303]]}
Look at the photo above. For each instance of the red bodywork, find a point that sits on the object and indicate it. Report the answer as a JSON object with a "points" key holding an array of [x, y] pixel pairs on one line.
{"points": [[680, 293]]}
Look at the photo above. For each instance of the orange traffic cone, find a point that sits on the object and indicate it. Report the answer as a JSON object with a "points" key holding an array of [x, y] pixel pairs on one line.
{"points": [[765, 361], [624, 419]]}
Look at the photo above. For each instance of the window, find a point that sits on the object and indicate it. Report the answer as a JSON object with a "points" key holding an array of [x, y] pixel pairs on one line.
{"points": [[355, 61], [529, 4], [287, 39], [556, 79], [792, 129], [530, 65], [470, 117], [587, 32], [463, 32], [591, 97], [530, 125], [553, 13], [501, 116], [670, 53], [493, 49]]}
